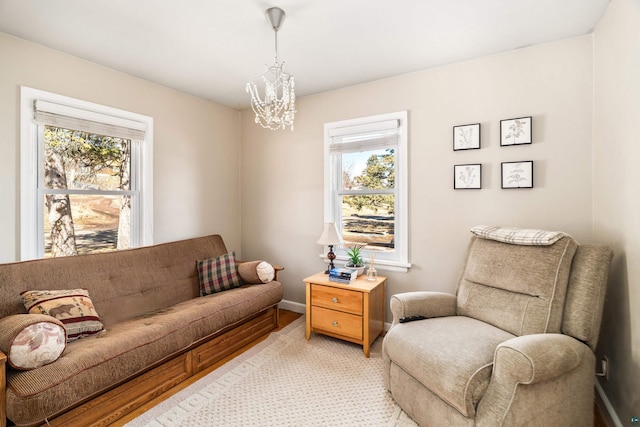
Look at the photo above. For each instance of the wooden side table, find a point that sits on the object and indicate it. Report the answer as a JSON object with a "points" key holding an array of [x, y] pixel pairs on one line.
{"points": [[352, 312]]}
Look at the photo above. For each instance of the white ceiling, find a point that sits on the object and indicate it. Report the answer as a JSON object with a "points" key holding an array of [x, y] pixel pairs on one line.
{"points": [[211, 48]]}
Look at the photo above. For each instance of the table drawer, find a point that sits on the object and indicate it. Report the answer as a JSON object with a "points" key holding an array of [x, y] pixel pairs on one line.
{"points": [[336, 322], [336, 299]]}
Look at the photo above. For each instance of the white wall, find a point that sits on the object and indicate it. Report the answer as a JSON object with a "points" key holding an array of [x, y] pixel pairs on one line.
{"points": [[616, 200], [196, 146], [282, 172]]}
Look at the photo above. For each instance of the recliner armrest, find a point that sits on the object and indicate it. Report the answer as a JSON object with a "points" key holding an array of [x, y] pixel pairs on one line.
{"points": [[534, 358], [539, 361], [428, 304]]}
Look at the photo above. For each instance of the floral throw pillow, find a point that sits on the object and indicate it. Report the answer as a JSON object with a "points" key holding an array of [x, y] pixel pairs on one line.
{"points": [[31, 341]]}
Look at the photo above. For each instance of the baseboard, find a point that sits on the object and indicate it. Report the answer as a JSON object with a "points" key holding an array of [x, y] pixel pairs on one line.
{"points": [[296, 307], [605, 408]]}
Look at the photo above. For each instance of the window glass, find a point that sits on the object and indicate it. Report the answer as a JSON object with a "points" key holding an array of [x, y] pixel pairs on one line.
{"points": [[97, 225], [85, 160], [89, 219], [370, 169], [369, 220]]}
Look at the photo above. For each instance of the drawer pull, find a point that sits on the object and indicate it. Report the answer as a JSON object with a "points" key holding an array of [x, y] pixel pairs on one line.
{"points": [[334, 299], [334, 323]]}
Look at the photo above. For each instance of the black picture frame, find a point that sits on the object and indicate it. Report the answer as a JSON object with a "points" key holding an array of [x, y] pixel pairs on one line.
{"points": [[516, 131], [514, 175], [467, 177], [466, 137]]}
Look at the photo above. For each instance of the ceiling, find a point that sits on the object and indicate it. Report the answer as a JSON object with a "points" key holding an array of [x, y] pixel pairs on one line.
{"points": [[211, 48]]}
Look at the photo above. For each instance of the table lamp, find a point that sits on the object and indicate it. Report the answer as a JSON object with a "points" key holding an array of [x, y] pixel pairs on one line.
{"points": [[330, 237]]}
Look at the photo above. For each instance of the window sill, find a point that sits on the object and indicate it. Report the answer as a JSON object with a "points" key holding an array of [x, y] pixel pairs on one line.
{"points": [[380, 265]]}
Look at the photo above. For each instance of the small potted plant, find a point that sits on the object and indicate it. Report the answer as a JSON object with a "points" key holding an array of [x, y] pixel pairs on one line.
{"points": [[354, 256]]}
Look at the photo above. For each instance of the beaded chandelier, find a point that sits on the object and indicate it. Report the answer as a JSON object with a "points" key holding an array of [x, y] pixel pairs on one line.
{"points": [[277, 109]]}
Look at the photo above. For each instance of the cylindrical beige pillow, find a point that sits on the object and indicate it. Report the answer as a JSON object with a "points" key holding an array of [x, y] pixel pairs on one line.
{"points": [[32, 340], [255, 272]]}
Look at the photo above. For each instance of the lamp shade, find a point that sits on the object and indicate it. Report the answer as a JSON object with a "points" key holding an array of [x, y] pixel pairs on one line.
{"points": [[330, 235]]}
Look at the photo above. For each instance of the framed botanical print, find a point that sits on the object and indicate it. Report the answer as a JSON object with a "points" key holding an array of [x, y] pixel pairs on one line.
{"points": [[467, 177], [515, 131], [517, 174], [466, 137]]}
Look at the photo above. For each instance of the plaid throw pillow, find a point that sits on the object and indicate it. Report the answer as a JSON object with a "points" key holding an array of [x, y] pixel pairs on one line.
{"points": [[218, 274], [518, 236]]}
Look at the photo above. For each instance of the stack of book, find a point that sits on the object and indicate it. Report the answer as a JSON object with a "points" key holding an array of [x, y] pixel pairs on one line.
{"points": [[343, 275]]}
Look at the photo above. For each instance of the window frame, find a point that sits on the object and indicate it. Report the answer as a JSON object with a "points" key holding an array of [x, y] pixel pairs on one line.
{"points": [[399, 259], [31, 152]]}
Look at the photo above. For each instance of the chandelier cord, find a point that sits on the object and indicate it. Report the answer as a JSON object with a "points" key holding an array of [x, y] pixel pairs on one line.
{"points": [[275, 32]]}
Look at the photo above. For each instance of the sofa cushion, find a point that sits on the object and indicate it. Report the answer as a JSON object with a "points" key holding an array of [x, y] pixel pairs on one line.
{"points": [[218, 274], [73, 307], [453, 358], [256, 272], [31, 340]]}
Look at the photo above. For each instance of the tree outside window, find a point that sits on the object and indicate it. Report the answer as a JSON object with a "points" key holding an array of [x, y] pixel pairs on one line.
{"points": [[367, 199], [87, 197]]}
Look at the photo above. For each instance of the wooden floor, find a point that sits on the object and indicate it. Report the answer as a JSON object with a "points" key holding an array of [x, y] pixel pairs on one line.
{"points": [[286, 318]]}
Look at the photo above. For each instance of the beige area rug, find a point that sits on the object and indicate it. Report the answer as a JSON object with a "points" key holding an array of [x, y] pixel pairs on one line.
{"points": [[287, 381]]}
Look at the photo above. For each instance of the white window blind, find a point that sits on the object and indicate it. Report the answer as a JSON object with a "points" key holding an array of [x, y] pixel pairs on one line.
{"points": [[49, 113], [349, 139], [380, 126]]}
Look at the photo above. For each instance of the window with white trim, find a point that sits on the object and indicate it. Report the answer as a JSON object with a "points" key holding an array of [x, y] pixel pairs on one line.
{"points": [[86, 177], [366, 187]]}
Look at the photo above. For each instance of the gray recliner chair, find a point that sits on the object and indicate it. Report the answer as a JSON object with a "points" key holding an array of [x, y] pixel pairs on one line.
{"points": [[514, 346]]}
